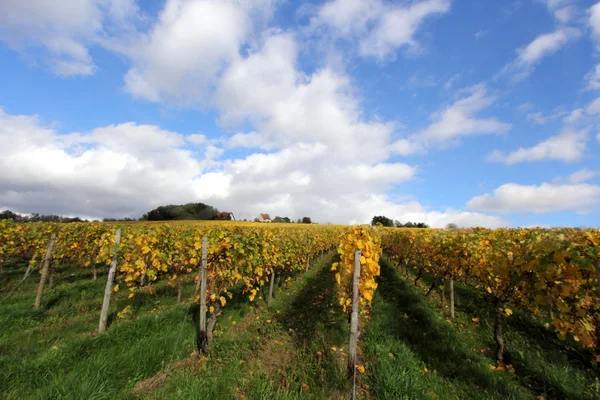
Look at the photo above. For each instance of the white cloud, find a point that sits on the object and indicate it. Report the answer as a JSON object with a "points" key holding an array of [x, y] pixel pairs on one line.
{"points": [[59, 34], [450, 82], [594, 21], [250, 140], [127, 169], [460, 119], [541, 119], [593, 78], [594, 107], [208, 35], [115, 170], [582, 175], [568, 146], [379, 27], [563, 10], [544, 198], [542, 46], [481, 34], [525, 107], [289, 107], [574, 116]]}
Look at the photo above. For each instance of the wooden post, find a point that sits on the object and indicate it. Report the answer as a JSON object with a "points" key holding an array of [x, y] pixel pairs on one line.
{"points": [[452, 298], [109, 284], [179, 288], [46, 265], [27, 272], [277, 284], [307, 263], [354, 315], [598, 289], [203, 338], [95, 271], [443, 295], [598, 276], [270, 298]]}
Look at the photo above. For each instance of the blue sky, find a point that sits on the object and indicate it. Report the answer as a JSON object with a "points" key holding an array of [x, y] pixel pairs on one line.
{"points": [[473, 112]]}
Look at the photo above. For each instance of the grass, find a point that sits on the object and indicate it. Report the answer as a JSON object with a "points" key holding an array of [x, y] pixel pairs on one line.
{"points": [[296, 348], [414, 351], [290, 350], [53, 352]]}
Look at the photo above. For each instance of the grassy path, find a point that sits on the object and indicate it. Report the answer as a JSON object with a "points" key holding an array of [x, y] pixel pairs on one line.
{"points": [[291, 350], [414, 352], [53, 353]]}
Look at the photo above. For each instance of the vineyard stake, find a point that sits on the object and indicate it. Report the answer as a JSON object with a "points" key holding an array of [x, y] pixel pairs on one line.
{"points": [[271, 288], [109, 284], [203, 338], [46, 265], [354, 315], [452, 298], [307, 263]]}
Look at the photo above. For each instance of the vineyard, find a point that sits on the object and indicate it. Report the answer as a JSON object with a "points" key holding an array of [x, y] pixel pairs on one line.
{"points": [[246, 310]]}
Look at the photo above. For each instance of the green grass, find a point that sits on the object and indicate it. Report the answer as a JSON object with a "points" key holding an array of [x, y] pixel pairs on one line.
{"points": [[408, 333], [53, 353], [294, 349], [280, 352]]}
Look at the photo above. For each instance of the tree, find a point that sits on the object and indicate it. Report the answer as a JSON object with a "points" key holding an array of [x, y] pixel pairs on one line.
{"points": [[7, 214], [385, 221], [412, 225], [306, 220], [452, 225], [281, 219], [190, 211]]}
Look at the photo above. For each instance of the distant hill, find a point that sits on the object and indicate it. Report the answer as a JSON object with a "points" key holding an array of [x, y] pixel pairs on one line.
{"points": [[190, 211]]}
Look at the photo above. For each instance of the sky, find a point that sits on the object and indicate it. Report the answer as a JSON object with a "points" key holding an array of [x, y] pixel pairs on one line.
{"points": [[478, 113]]}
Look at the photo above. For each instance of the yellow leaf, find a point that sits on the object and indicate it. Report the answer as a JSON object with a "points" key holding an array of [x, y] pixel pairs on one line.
{"points": [[116, 288], [211, 309], [222, 300], [360, 369], [508, 312]]}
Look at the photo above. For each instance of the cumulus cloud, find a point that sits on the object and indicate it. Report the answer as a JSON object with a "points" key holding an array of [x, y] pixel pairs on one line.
{"points": [[541, 119], [594, 21], [379, 28], [460, 119], [111, 171], [583, 175], [593, 78], [60, 34], [126, 169], [542, 46], [568, 146], [288, 106], [563, 10], [544, 198], [182, 54]]}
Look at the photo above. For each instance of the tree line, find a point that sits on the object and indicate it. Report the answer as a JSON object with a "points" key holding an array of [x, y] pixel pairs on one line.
{"points": [[385, 221]]}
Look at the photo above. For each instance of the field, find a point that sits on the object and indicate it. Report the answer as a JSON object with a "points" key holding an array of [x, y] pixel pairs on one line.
{"points": [[295, 346]]}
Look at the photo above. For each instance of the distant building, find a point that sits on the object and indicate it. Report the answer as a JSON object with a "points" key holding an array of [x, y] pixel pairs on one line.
{"points": [[264, 218], [225, 215]]}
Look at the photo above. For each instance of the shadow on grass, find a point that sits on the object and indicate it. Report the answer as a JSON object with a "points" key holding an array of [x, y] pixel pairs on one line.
{"points": [[557, 369], [477, 304], [432, 339], [310, 307]]}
